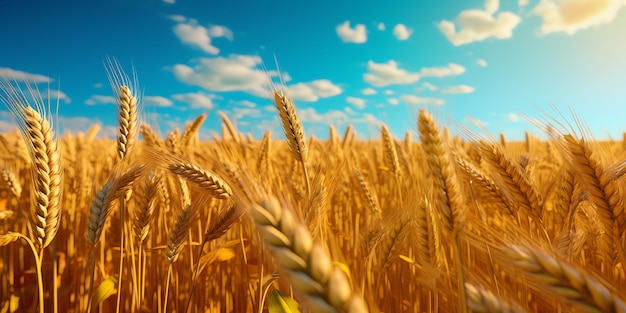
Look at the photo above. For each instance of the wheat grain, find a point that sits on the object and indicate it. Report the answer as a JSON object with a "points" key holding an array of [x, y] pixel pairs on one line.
{"points": [[565, 281]]}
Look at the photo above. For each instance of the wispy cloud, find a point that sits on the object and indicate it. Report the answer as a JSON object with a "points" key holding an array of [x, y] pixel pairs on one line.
{"points": [[156, 101], [358, 34], [570, 16], [402, 32], [13, 74], [234, 73], [310, 115], [477, 25], [427, 86], [191, 33], [313, 91], [451, 70], [459, 89], [196, 99], [384, 74], [238, 113], [77, 123], [100, 99], [54, 94], [368, 91], [246, 103], [481, 62], [412, 99], [358, 103]]}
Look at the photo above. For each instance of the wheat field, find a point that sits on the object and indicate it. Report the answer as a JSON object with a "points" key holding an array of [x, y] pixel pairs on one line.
{"points": [[429, 223]]}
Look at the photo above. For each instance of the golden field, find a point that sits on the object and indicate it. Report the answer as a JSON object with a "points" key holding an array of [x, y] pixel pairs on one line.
{"points": [[429, 223]]}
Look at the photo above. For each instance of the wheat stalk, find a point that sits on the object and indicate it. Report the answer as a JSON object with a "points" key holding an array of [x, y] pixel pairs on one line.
{"points": [[234, 134], [11, 181], [515, 181], [116, 187], [47, 176], [565, 280], [445, 186], [144, 213], [149, 136], [192, 130], [480, 300], [127, 103], [204, 179], [306, 265], [390, 154], [600, 189], [293, 130]]}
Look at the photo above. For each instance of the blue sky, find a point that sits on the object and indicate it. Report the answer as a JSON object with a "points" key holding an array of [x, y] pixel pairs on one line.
{"points": [[344, 62]]}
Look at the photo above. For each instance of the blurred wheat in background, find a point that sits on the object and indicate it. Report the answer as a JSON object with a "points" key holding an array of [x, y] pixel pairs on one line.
{"points": [[151, 224]]}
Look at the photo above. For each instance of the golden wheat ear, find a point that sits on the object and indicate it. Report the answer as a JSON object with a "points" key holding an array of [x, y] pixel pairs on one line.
{"points": [[293, 130], [306, 264], [127, 101], [33, 119]]}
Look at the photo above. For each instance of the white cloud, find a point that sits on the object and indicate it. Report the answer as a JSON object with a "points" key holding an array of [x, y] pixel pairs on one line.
{"points": [[97, 85], [245, 103], [196, 99], [313, 91], [195, 35], [77, 123], [428, 86], [244, 112], [372, 120], [450, 70], [381, 26], [512, 117], [235, 73], [156, 101], [569, 16], [388, 92], [481, 62], [99, 99], [177, 18], [402, 32], [393, 101], [12, 74], [411, 99], [54, 94], [478, 25], [368, 91], [358, 34], [459, 89], [191, 33], [384, 74], [169, 1], [522, 3], [216, 31], [349, 110], [310, 115], [359, 103], [491, 6]]}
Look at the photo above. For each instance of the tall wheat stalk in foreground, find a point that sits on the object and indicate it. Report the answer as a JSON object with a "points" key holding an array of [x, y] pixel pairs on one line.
{"points": [[127, 102], [47, 176]]}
